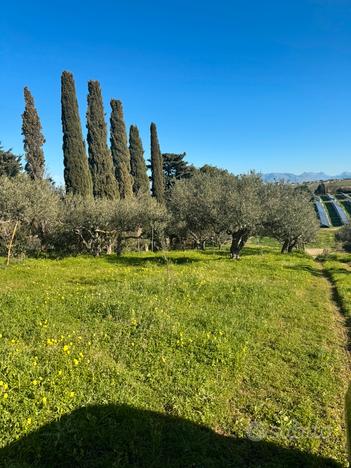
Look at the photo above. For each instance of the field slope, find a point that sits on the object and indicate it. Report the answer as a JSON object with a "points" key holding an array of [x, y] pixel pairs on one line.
{"points": [[188, 359]]}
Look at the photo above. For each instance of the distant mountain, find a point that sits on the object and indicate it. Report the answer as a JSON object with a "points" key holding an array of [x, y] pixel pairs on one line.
{"points": [[304, 177]]}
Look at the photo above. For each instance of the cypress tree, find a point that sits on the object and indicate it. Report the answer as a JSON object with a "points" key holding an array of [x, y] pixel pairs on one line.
{"points": [[138, 167], [120, 151], [76, 173], [157, 179], [100, 160], [33, 138]]}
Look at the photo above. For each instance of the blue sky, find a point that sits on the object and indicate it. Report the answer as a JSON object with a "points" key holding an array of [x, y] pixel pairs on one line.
{"points": [[243, 84]]}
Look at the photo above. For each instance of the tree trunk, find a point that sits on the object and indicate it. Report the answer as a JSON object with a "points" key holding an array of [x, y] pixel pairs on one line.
{"points": [[238, 241], [9, 249], [291, 246], [119, 245], [285, 247]]}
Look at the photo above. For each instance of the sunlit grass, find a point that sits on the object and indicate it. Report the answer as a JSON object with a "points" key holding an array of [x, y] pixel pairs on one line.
{"points": [[190, 334]]}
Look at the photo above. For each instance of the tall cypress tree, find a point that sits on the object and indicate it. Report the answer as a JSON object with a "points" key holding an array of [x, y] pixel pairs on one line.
{"points": [[158, 185], [138, 167], [33, 138], [120, 151], [76, 173], [100, 160]]}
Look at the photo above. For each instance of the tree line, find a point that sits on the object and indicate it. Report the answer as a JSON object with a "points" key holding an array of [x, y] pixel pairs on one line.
{"points": [[110, 202]]}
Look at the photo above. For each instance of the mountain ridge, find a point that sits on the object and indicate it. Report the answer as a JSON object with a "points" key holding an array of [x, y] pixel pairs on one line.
{"points": [[304, 177]]}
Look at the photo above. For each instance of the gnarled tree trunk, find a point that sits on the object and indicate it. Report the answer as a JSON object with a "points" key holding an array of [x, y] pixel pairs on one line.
{"points": [[239, 239], [285, 247]]}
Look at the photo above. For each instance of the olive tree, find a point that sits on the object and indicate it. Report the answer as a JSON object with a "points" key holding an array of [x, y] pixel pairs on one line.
{"points": [[100, 225], [86, 225], [214, 204], [28, 214], [154, 218], [194, 207], [289, 216], [240, 209]]}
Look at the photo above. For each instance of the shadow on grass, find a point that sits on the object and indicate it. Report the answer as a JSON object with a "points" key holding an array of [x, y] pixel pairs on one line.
{"points": [[131, 260], [247, 251], [308, 269], [259, 250], [122, 436], [167, 257]]}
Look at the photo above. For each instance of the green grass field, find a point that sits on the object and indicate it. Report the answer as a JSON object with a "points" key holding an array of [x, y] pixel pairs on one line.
{"points": [[188, 359], [325, 239]]}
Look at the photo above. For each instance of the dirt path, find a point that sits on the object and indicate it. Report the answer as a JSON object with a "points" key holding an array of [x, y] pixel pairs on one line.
{"points": [[314, 252]]}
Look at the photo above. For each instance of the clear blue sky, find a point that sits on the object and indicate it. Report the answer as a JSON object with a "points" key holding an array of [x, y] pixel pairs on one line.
{"points": [[241, 84]]}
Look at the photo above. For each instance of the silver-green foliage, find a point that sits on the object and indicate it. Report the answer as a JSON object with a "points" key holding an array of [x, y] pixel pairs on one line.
{"points": [[289, 215], [212, 204], [32, 206], [98, 226]]}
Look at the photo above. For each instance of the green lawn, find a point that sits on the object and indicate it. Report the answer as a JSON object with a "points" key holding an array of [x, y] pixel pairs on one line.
{"points": [[188, 359], [325, 239]]}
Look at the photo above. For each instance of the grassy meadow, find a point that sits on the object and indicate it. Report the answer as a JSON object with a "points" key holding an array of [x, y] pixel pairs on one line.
{"points": [[183, 359], [325, 239]]}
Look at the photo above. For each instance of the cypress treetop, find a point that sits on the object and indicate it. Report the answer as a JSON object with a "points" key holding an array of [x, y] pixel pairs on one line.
{"points": [[138, 166], [120, 151], [33, 138], [100, 160], [158, 186], [76, 172]]}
